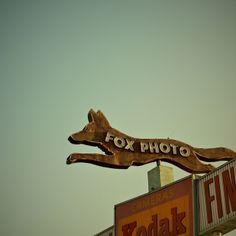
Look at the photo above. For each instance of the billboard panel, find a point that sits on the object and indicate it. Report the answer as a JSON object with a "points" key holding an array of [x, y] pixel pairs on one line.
{"points": [[217, 200], [168, 211]]}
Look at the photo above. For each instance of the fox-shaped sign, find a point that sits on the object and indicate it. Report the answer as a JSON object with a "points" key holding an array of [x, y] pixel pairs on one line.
{"points": [[122, 151]]}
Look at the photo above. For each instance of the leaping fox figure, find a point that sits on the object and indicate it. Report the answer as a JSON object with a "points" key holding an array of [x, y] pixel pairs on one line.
{"points": [[122, 151]]}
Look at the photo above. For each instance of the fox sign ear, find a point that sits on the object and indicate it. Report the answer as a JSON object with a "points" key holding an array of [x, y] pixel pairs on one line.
{"points": [[98, 118], [102, 119], [91, 115]]}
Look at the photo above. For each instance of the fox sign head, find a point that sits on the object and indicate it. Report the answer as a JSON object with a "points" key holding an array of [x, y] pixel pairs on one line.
{"points": [[122, 151]]}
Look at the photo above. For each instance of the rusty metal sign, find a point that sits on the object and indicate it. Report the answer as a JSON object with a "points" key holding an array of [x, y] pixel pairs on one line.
{"points": [[122, 151]]}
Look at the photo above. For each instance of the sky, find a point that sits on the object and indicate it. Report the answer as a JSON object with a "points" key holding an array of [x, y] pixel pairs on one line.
{"points": [[156, 69]]}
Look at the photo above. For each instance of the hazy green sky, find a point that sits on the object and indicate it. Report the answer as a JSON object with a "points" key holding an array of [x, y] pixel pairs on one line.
{"points": [[155, 68]]}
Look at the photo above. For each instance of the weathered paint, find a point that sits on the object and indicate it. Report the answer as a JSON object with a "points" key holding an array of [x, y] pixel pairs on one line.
{"points": [[121, 150], [217, 200]]}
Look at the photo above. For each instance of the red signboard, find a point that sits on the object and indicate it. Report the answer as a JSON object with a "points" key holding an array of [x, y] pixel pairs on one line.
{"points": [[217, 199], [168, 211]]}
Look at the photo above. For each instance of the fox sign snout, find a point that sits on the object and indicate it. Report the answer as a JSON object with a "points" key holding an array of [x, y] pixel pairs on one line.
{"points": [[77, 138], [72, 140]]}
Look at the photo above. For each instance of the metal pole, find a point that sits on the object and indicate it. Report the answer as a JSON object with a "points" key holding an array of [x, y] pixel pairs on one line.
{"points": [[159, 177]]}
